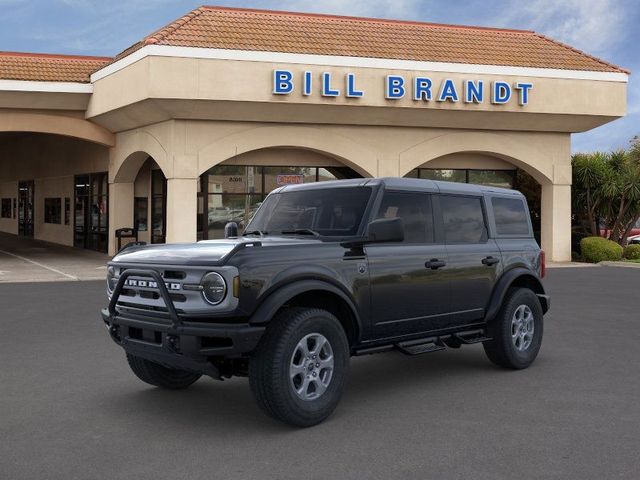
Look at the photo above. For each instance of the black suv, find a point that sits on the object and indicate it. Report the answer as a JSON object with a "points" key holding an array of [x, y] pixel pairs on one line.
{"points": [[329, 270]]}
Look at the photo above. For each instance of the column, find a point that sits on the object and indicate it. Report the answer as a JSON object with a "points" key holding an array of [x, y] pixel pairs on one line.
{"points": [[556, 222], [182, 209], [120, 211]]}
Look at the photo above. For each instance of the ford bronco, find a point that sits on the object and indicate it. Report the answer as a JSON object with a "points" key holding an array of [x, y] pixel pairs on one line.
{"points": [[330, 270]]}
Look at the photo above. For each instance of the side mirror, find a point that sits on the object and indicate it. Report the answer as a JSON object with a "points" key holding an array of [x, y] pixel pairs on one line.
{"points": [[385, 230], [231, 230]]}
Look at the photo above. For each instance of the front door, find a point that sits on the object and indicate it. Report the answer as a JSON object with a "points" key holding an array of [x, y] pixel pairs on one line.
{"points": [[25, 208], [474, 259], [408, 280], [91, 211], [158, 207]]}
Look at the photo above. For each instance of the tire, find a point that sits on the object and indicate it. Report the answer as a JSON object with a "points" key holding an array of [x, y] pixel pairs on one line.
{"points": [[159, 376], [281, 352], [519, 351]]}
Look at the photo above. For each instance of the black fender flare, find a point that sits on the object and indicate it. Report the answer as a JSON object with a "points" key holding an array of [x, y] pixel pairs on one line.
{"points": [[280, 295], [504, 283]]}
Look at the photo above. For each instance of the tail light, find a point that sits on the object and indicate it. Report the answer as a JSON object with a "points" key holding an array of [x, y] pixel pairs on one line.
{"points": [[543, 264]]}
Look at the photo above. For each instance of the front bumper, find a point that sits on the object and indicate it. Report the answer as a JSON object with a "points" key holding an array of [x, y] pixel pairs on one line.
{"points": [[188, 346], [172, 341]]}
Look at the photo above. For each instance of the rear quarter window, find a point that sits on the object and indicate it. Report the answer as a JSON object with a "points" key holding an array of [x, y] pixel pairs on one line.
{"points": [[511, 216]]}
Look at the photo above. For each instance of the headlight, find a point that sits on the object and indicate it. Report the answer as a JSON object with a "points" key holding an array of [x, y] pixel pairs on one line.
{"points": [[111, 281], [214, 288]]}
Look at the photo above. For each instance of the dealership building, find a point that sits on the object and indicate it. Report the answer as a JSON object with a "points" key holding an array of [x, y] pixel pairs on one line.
{"points": [[192, 126]]}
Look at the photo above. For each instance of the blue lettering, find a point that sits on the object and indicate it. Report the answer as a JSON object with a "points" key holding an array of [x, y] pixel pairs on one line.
{"points": [[473, 91], [307, 83], [523, 92], [422, 88], [395, 86], [327, 91], [282, 82], [351, 86], [501, 92], [448, 91]]}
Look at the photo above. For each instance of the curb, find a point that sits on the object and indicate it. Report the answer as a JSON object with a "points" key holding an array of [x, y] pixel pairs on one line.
{"points": [[572, 265], [620, 264]]}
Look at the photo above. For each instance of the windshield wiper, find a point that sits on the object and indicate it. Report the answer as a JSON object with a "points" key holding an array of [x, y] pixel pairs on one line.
{"points": [[255, 232], [300, 231]]}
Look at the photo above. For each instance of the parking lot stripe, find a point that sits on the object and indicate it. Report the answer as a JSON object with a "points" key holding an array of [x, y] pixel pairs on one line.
{"points": [[41, 265]]}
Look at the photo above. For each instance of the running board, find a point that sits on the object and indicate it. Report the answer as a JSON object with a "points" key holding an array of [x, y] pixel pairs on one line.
{"points": [[428, 344], [413, 348], [469, 338]]}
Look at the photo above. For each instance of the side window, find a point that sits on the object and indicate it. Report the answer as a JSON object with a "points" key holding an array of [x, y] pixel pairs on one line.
{"points": [[511, 216], [463, 219], [415, 211]]}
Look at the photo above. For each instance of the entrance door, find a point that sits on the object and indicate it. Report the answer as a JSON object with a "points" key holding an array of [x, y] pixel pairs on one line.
{"points": [[410, 288], [25, 208], [158, 207], [91, 211]]}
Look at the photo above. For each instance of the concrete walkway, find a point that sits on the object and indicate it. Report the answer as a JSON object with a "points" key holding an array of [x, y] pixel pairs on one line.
{"points": [[28, 260]]}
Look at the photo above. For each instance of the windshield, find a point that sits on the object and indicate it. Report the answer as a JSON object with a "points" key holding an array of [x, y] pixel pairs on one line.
{"points": [[333, 212]]}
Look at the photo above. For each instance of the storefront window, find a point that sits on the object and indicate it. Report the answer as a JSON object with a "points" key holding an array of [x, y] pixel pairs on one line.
{"points": [[443, 174], [6, 208], [233, 193], [53, 210], [494, 178]]}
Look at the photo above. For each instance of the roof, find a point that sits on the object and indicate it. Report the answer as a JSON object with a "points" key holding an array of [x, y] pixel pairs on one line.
{"points": [[48, 67], [305, 33]]}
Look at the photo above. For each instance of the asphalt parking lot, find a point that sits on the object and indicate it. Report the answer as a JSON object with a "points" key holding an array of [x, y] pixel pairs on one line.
{"points": [[70, 408]]}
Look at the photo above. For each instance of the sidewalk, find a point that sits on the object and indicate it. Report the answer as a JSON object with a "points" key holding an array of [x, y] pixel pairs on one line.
{"points": [[28, 260]]}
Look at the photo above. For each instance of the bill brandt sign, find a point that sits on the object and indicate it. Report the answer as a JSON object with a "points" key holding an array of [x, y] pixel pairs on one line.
{"points": [[420, 88]]}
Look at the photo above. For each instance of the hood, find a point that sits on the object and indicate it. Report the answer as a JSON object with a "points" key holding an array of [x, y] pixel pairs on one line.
{"points": [[206, 252]]}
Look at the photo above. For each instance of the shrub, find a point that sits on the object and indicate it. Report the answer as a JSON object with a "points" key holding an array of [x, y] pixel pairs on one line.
{"points": [[632, 252], [598, 249]]}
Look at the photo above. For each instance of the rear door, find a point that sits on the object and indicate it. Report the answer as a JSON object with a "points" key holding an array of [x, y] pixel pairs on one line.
{"points": [[474, 258], [408, 284]]}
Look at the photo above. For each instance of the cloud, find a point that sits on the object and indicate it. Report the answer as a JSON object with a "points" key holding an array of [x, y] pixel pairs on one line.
{"points": [[592, 25], [366, 8]]}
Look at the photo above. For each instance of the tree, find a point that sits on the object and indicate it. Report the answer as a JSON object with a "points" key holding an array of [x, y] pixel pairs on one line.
{"points": [[607, 187]]}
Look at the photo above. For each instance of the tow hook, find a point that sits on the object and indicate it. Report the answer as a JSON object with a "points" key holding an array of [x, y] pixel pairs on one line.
{"points": [[114, 331], [173, 343]]}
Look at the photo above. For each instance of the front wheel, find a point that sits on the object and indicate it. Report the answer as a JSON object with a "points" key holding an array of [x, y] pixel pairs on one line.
{"points": [[516, 332], [159, 376], [298, 371]]}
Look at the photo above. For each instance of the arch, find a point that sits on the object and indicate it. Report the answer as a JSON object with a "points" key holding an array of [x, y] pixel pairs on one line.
{"points": [[132, 151], [323, 141], [57, 125], [522, 155]]}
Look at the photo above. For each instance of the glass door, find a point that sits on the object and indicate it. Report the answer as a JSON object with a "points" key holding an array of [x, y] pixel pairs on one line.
{"points": [[25, 208], [91, 226], [158, 207], [81, 211]]}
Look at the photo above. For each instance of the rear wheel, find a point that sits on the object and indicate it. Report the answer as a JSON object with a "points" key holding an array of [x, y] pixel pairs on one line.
{"points": [[159, 376], [516, 332], [298, 371]]}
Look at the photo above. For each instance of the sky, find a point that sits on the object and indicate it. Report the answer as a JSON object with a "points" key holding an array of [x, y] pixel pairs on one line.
{"points": [[604, 28]]}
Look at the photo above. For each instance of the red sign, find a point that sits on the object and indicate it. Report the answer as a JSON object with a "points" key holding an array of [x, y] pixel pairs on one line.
{"points": [[289, 179]]}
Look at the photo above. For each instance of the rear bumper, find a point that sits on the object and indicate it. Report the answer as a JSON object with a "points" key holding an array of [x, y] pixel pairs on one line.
{"points": [[187, 346]]}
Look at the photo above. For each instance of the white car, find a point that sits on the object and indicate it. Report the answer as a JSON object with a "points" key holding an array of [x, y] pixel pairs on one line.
{"points": [[633, 240]]}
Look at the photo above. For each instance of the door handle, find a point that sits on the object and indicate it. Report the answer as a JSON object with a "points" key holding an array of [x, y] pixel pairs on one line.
{"points": [[489, 261], [434, 264]]}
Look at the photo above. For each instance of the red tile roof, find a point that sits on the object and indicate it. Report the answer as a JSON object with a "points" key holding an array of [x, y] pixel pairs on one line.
{"points": [[274, 31], [48, 68]]}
